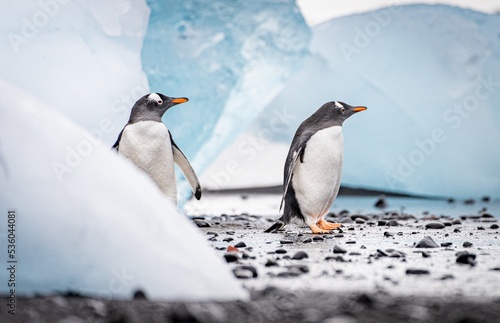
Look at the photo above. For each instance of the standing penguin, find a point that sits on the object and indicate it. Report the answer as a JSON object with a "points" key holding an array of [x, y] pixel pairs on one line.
{"points": [[147, 142], [313, 168]]}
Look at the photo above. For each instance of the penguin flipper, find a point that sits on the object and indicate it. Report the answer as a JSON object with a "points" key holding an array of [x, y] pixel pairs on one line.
{"points": [[117, 143], [299, 153], [188, 171]]}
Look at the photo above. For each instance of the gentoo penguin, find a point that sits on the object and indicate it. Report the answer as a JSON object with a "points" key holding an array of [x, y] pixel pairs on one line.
{"points": [[147, 142], [313, 168]]}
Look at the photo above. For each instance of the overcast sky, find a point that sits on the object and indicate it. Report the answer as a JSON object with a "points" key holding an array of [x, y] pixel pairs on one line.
{"points": [[318, 11]]}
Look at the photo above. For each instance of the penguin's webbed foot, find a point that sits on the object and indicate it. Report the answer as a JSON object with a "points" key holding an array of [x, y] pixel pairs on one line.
{"points": [[316, 229], [325, 225]]}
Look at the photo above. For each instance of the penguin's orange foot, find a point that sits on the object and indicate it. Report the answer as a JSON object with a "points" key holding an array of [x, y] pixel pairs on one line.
{"points": [[325, 225], [316, 229]]}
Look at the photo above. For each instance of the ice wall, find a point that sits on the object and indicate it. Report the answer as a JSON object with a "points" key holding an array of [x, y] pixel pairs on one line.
{"points": [[430, 77], [229, 57]]}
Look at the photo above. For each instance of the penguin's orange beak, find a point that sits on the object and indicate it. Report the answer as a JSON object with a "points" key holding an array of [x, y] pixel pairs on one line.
{"points": [[358, 109], [180, 100]]}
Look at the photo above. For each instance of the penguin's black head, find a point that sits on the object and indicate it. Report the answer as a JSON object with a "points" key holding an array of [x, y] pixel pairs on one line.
{"points": [[152, 106], [340, 111]]}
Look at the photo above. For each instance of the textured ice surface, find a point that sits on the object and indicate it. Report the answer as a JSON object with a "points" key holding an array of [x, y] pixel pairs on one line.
{"points": [[229, 57], [89, 221], [430, 77]]}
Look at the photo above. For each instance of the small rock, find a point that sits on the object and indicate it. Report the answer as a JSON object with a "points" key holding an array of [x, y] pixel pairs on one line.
{"points": [[495, 269], [202, 223], [393, 223], [138, 294], [487, 215], [245, 272], [271, 263], [480, 228], [447, 224], [466, 258], [338, 249], [456, 230], [337, 258], [469, 202], [359, 216], [446, 244], [447, 276], [456, 221], [427, 242], [451, 200], [318, 238], [300, 255], [231, 257], [381, 223], [388, 234], [360, 221], [494, 226], [288, 274], [425, 254], [417, 272], [467, 244], [229, 239], [339, 235], [286, 241], [240, 244], [435, 225], [280, 251], [350, 242], [307, 240], [299, 268], [381, 203]]}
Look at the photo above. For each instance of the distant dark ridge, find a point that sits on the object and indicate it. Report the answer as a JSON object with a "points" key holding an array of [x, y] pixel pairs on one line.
{"points": [[344, 190]]}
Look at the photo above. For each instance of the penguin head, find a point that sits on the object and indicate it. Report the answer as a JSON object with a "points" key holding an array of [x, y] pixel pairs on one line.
{"points": [[152, 106], [340, 111]]}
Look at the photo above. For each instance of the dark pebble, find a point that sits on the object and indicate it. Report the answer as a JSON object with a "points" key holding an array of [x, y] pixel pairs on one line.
{"points": [[245, 272], [435, 225], [230, 233], [388, 234], [425, 254], [467, 259], [202, 223], [336, 258], [228, 239], [469, 201], [299, 268], [447, 224], [467, 244], [494, 226], [360, 221], [354, 253], [480, 228], [486, 199], [446, 244], [286, 241], [427, 242], [381, 223], [495, 269], [417, 272], [381, 203], [338, 249], [318, 238], [240, 244], [271, 263], [300, 255], [288, 274], [447, 276], [211, 233], [280, 251], [457, 230], [456, 221], [307, 240], [359, 216], [451, 200], [393, 223], [339, 235], [231, 257], [139, 294], [350, 242], [487, 215]]}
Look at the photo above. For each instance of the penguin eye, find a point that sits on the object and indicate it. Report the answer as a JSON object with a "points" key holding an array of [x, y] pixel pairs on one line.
{"points": [[342, 110], [159, 101]]}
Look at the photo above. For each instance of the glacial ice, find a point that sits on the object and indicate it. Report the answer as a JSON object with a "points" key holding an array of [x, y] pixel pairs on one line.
{"points": [[430, 77], [88, 221]]}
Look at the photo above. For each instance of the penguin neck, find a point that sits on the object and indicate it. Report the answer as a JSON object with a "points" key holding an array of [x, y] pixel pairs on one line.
{"points": [[144, 115]]}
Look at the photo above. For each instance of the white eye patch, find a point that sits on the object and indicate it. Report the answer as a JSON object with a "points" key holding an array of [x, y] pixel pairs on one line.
{"points": [[155, 97], [338, 105]]}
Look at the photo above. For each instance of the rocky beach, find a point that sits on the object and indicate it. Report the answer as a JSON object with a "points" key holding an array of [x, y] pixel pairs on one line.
{"points": [[384, 264]]}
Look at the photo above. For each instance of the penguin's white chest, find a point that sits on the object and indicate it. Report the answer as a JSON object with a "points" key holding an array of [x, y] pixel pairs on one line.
{"points": [[316, 181], [147, 144]]}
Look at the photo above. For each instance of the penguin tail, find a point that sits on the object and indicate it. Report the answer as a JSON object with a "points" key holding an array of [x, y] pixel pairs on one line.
{"points": [[278, 225]]}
